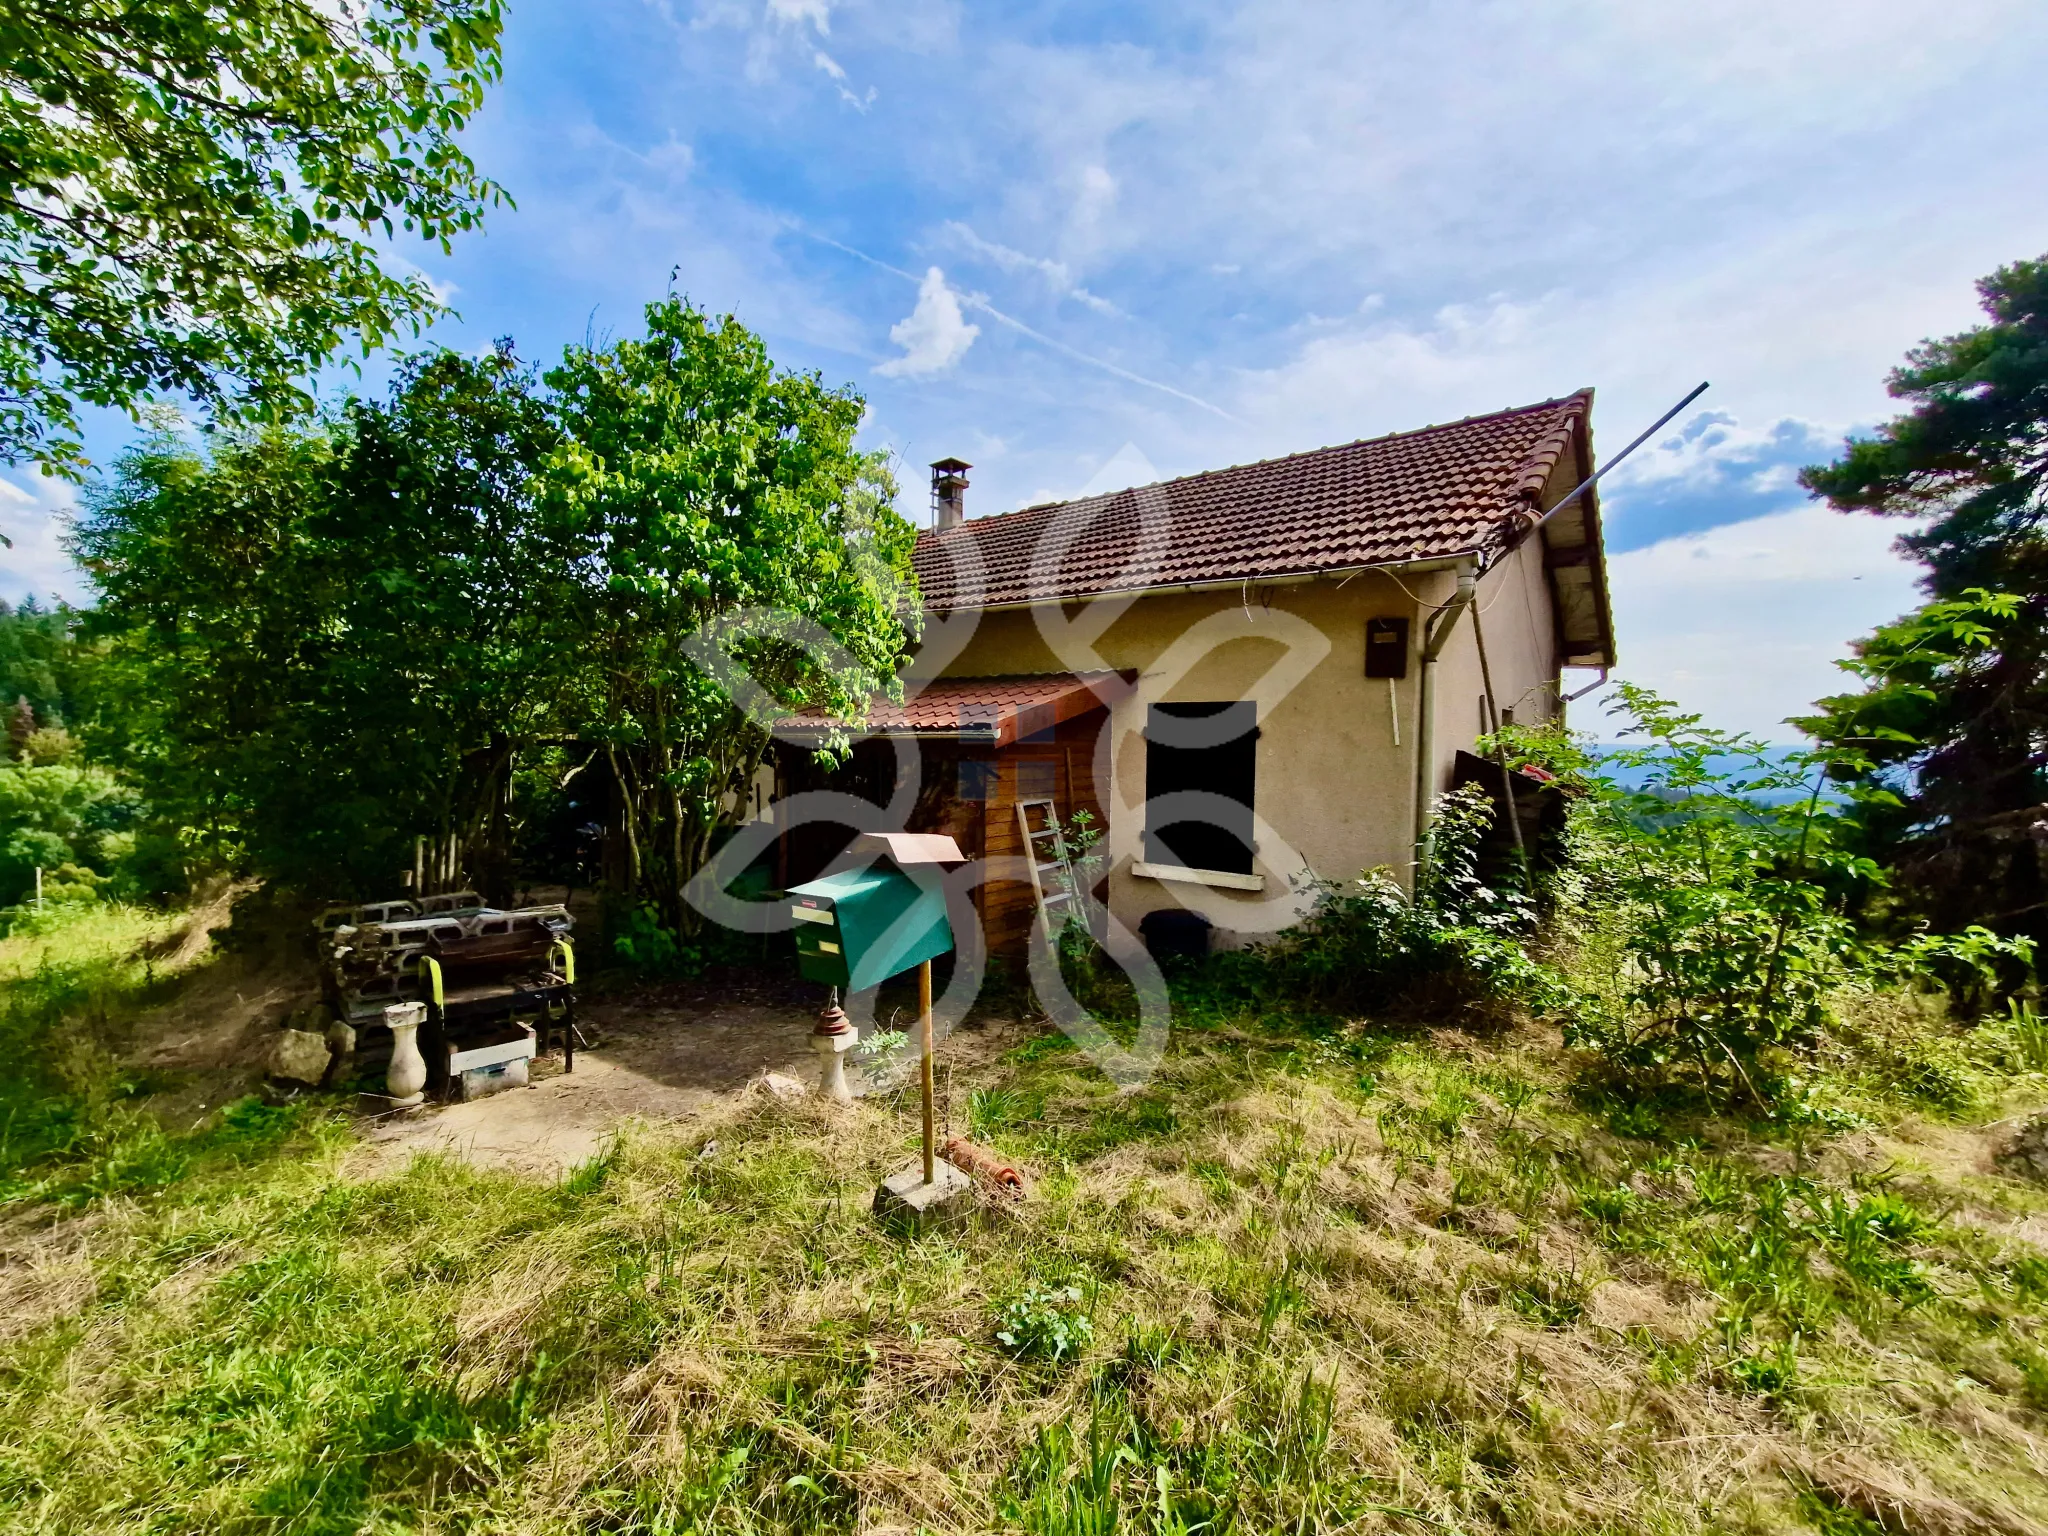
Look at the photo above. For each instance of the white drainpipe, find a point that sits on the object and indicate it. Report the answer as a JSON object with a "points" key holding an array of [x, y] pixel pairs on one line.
{"points": [[1435, 635]]}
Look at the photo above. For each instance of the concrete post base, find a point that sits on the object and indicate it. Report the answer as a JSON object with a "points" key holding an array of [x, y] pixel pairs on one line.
{"points": [[832, 1051], [905, 1200]]}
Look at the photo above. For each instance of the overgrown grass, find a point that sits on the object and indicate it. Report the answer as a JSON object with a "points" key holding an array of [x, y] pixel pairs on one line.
{"points": [[76, 1126], [67, 991], [1318, 1276]]}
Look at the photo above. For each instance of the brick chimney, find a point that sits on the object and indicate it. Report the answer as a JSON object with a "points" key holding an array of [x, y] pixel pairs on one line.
{"points": [[949, 493]]}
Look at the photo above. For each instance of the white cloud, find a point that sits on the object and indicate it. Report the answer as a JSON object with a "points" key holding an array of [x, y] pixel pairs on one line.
{"points": [[934, 336], [778, 29], [1743, 623], [1779, 198], [794, 13], [442, 289], [1741, 191], [1057, 274], [33, 516]]}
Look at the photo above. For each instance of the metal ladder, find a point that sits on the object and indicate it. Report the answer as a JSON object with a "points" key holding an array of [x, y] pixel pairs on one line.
{"points": [[1059, 864]]}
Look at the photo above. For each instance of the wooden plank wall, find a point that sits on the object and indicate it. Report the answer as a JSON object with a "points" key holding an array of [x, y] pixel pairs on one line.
{"points": [[1062, 766], [1065, 768]]}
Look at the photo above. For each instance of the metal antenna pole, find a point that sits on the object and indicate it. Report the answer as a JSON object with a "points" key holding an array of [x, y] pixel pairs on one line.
{"points": [[1588, 483]]}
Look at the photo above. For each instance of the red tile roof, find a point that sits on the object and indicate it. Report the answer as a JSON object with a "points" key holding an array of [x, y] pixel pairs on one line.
{"points": [[1441, 491], [992, 711]]}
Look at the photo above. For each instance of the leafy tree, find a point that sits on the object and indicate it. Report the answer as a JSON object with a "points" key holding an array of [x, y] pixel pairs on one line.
{"points": [[1722, 874], [1953, 713], [189, 190], [348, 634], [456, 599], [41, 661], [744, 559], [72, 820], [1711, 887], [212, 631], [421, 617]]}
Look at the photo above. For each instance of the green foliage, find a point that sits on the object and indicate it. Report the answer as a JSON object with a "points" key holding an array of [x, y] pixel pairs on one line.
{"points": [[1366, 943], [192, 190], [43, 664], [744, 560], [334, 638], [641, 941], [429, 616], [1734, 943], [1723, 882], [1954, 697], [1049, 1323], [2029, 1036], [1968, 452], [75, 821]]}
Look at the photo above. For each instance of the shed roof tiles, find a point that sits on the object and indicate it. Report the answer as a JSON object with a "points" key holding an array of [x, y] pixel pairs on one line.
{"points": [[1440, 491], [994, 711]]}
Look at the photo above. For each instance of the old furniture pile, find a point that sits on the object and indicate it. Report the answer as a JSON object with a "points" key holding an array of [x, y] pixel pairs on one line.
{"points": [[496, 984]]}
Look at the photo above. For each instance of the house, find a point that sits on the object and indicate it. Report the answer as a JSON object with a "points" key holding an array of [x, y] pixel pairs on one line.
{"points": [[1249, 678]]}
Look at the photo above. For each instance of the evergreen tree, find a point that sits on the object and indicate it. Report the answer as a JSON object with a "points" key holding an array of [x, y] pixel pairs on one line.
{"points": [[1952, 718]]}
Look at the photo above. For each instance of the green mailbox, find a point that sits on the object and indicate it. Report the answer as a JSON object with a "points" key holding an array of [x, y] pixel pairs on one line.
{"points": [[858, 928]]}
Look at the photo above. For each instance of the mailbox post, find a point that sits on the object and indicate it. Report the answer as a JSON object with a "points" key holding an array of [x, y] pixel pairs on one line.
{"points": [[857, 928]]}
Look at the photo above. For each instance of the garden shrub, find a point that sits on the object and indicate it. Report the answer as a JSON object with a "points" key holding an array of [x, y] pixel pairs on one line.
{"points": [[1366, 942], [1714, 881]]}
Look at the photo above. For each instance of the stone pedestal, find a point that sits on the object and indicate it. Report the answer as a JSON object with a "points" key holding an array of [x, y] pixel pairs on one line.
{"points": [[905, 1201], [832, 1051], [406, 1078]]}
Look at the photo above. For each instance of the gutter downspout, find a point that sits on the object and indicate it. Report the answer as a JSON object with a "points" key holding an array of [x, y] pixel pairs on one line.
{"points": [[1435, 635]]}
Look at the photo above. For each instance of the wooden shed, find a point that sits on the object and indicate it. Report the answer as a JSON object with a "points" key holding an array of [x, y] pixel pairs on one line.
{"points": [[983, 746]]}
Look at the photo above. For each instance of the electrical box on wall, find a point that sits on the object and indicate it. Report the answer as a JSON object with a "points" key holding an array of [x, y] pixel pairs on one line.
{"points": [[1386, 647]]}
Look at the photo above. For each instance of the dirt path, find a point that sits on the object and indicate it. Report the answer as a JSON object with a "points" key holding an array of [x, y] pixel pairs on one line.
{"points": [[661, 1055]]}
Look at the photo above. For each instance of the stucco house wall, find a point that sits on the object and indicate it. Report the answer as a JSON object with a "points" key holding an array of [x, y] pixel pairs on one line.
{"points": [[1335, 768]]}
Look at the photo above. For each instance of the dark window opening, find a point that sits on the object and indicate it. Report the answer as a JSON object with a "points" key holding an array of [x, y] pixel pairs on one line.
{"points": [[977, 779], [1206, 749]]}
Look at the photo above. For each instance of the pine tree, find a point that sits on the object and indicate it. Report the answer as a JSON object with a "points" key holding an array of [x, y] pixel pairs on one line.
{"points": [[1953, 714]]}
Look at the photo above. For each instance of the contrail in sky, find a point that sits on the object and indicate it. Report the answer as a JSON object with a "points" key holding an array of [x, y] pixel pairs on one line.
{"points": [[976, 302]]}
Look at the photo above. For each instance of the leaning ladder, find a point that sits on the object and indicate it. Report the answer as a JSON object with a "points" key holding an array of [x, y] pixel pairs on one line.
{"points": [[1039, 840]]}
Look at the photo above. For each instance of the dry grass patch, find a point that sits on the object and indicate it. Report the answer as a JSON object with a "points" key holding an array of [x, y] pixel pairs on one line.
{"points": [[1307, 1280]]}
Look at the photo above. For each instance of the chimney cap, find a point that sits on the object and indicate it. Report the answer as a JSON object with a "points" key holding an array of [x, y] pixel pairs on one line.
{"points": [[951, 466]]}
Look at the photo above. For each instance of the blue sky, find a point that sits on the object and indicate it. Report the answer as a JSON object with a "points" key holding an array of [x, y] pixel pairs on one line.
{"points": [[1082, 244]]}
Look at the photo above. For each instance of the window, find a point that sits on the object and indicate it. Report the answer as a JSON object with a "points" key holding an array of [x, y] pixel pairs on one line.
{"points": [[1205, 750], [977, 779]]}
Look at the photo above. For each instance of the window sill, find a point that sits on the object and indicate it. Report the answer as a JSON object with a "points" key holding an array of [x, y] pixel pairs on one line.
{"points": [[1186, 876]]}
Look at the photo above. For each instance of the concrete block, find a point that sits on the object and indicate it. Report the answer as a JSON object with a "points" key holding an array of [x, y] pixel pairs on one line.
{"points": [[481, 1082], [298, 1056], [904, 1200]]}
